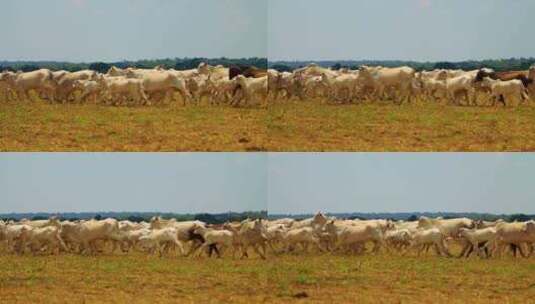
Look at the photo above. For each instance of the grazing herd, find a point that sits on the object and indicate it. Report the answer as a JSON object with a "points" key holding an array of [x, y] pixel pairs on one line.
{"points": [[401, 84], [248, 85], [319, 234], [132, 86], [91, 237]]}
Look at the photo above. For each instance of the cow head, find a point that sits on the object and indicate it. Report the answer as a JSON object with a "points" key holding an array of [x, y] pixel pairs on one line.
{"points": [[324, 78], [319, 219], [203, 68], [330, 227], [114, 71], [442, 75], [198, 229], [484, 72], [78, 84], [531, 73], [155, 222], [8, 77], [486, 82], [241, 80], [424, 222], [529, 227], [368, 72], [54, 221], [462, 231], [101, 80]]}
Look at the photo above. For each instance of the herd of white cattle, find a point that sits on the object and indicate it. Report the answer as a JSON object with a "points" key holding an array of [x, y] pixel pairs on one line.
{"points": [[132, 86], [402, 84], [319, 233]]}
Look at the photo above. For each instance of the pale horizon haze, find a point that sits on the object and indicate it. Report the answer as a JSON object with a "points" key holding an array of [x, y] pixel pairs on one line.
{"points": [[418, 30], [101, 30]]}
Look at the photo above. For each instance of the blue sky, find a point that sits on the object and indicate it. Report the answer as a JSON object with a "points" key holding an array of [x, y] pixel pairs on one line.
{"points": [[177, 182], [418, 30], [401, 182], [104, 30], [278, 182]]}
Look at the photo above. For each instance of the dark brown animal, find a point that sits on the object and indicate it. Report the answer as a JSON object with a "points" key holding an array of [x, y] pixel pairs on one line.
{"points": [[198, 240], [247, 71], [505, 76]]}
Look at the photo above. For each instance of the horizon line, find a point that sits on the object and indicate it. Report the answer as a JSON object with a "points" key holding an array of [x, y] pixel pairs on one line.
{"points": [[403, 60], [260, 211], [128, 60]]}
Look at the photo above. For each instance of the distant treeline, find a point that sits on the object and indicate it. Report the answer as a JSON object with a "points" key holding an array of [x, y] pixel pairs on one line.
{"points": [[218, 218], [102, 67], [496, 64], [190, 63], [210, 218], [413, 216]]}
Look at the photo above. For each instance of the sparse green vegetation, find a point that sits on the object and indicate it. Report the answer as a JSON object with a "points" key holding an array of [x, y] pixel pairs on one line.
{"points": [[316, 126], [280, 279], [289, 126], [38, 126]]}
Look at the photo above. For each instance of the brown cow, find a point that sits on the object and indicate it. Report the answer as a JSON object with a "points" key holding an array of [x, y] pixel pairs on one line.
{"points": [[505, 76], [247, 71]]}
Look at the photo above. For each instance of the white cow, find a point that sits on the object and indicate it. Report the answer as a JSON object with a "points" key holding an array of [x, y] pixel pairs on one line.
{"points": [[432, 236], [12, 235], [87, 233], [7, 92], [461, 86], [158, 238], [449, 227], [516, 233], [119, 90], [162, 83], [90, 90], [511, 90], [398, 239], [223, 238], [41, 81], [344, 86], [355, 236], [65, 87], [477, 236], [43, 238], [394, 80], [252, 88], [304, 236]]}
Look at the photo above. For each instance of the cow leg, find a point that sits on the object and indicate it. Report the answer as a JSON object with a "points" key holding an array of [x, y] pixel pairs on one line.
{"points": [[466, 250], [513, 248], [437, 250], [160, 248], [444, 249], [521, 250], [194, 246], [270, 244], [502, 100], [531, 249], [255, 248], [244, 253]]}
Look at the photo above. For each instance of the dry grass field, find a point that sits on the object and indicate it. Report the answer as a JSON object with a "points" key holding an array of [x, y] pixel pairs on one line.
{"points": [[323, 278], [38, 126], [316, 126], [292, 126]]}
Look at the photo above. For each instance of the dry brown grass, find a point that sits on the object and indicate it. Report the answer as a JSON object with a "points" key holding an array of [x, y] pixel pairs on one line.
{"points": [[280, 279], [38, 126], [292, 126], [316, 126]]}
